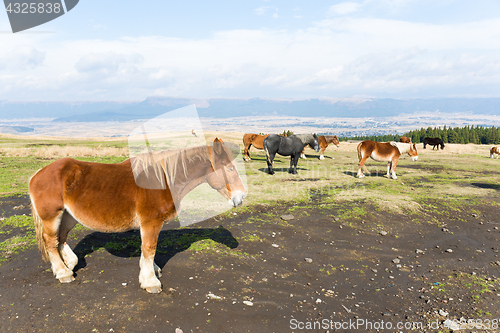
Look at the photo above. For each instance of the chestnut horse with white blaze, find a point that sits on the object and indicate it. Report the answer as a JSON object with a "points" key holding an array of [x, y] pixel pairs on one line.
{"points": [[384, 152], [323, 141], [493, 151], [107, 198]]}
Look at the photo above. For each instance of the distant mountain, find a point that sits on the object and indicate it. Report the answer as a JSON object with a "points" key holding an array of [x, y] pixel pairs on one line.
{"points": [[241, 107], [14, 109], [15, 129]]}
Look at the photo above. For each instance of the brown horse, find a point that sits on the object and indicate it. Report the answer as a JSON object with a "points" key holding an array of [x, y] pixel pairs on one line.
{"points": [[324, 141], [405, 139], [256, 140], [494, 150], [107, 198], [384, 152]]}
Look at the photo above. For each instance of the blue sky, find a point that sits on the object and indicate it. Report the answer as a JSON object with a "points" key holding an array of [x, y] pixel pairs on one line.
{"points": [[124, 50]]}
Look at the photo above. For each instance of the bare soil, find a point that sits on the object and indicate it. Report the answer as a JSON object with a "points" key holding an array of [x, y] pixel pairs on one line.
{"points": [[261, 273]]}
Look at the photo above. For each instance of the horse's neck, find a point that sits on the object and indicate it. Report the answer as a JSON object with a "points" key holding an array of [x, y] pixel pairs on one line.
{"points": [[191, 171], [403, 147]]}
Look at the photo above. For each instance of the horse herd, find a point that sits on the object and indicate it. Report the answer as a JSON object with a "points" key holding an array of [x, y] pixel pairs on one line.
{"points": [[294, 146], [113, 198]]}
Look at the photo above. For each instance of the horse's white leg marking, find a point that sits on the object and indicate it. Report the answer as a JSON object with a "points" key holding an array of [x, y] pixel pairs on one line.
{"points": [[303, 156], [69, 257], [157, 269], [321, 157], [147, 277], [51, 238]]}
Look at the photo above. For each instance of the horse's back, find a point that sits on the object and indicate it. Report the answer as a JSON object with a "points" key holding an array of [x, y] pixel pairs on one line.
{"points": [[89, 190]]}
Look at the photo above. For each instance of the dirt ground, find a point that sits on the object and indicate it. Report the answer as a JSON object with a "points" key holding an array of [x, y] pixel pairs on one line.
{"points": [[269, 272]]}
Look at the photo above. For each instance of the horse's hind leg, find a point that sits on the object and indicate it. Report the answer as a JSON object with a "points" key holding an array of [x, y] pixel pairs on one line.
{"points": [[270, 160], [50, 234], [394, 164], [69, 257], [247, 154], [147, 276], [389, 169], [362, 166]]}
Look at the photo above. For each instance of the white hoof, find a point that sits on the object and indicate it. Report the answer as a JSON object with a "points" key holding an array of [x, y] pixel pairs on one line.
{"points": [[321, 157], [303, 156]]}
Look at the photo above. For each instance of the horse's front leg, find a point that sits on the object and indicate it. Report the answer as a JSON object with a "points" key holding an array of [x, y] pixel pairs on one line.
{"points": [[294, 159], [303, 154], [389, 164], [149, 239], [322, 153]]}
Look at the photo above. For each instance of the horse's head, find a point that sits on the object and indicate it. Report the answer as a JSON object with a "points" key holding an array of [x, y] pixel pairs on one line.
{"points": [[442, 145], [315, 144], [336, 141], [413, 152], [225, 178]]}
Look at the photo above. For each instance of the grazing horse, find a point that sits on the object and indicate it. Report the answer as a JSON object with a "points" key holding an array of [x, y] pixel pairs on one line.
{"points": [[494, 150], [250, 139], [433, 142], [405, 139], [107, 198], [323, 141], [288, 146], [384, 152]]}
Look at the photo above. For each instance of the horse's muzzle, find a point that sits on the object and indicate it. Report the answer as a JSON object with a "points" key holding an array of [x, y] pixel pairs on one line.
{"points": [[237, 198], [414, 158]]}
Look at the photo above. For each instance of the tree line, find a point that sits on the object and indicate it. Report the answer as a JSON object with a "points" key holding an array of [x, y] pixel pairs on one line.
{"points": [[466, 134]]}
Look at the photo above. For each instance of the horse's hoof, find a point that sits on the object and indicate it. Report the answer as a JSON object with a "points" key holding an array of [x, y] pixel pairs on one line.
{"points": [[67, 279], [153, 290]]}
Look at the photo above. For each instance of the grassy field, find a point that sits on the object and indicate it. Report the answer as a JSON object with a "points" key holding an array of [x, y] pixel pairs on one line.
{"points": [[459, 175]]}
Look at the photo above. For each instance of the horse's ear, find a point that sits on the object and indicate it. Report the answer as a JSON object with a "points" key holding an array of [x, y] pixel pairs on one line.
{"points": [[218, 146]]}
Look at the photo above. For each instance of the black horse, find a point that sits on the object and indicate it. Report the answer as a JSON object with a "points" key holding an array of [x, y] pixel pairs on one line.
{"points": [[288, 146], [434, 142]]}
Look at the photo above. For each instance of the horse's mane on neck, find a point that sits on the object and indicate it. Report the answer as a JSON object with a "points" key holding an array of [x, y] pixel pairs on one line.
{"points": [[330, 138], [176, 161], [403, 147], [305, 138]]}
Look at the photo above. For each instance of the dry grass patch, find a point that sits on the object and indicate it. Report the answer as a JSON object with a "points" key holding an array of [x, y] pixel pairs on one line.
{"points": [[64, 151]]}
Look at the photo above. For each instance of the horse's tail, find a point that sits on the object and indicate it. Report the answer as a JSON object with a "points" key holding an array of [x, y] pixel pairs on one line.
{"points": [[359, 151], [264, 145], [39, 233], [37, 220]]}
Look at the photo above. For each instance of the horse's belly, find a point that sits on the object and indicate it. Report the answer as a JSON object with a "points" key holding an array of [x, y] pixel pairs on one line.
{"points": [[102, 220], [380, 158]]}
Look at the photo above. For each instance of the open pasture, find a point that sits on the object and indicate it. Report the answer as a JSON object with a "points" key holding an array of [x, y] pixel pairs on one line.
{"points": [[319, 245]]}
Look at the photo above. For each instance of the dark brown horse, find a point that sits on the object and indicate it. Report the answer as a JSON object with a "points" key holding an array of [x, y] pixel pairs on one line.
{"points": [[107, 198], [323, 141], [384, 152], [405, 139]]}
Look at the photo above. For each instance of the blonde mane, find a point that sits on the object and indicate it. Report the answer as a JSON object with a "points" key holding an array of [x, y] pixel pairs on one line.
{"points": [[150, 165], [402, 147]]}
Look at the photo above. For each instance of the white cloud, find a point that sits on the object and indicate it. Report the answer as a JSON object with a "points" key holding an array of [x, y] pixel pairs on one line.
{"points": [[338, 57], [262, 10], [344, 8], [22, 58]]}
